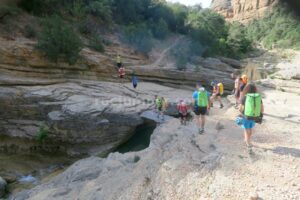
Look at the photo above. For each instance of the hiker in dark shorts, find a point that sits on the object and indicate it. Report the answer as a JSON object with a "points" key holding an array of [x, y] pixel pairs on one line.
{"points": [[119, 61], [201, 106]]}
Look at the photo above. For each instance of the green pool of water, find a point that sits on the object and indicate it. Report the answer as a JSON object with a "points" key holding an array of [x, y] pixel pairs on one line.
{"points": [[140, 140]]}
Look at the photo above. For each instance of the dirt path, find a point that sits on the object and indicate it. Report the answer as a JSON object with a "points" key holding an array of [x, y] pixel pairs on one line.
{"points": [[162, 55], [273, 172]]}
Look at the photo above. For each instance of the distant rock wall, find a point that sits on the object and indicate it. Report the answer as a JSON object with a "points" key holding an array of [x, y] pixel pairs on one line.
{"points": [[242, 10], [19, 58]]}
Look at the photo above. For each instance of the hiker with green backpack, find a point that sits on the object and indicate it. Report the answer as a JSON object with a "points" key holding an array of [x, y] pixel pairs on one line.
{"points": [[201, 106], [251, 109], [161, 106]]}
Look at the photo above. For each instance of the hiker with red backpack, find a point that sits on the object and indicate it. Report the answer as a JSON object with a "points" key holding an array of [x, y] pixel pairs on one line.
{"points": [[182, 108], [121, 72], [252, 110]]}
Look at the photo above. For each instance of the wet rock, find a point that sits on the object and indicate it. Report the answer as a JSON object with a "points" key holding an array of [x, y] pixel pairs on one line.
{"points": [[3, 185]]}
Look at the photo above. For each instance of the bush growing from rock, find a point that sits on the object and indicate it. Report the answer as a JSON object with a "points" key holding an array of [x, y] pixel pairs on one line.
{"points": [[58, 40], [42, 134], [139, 36], [96, 43]]}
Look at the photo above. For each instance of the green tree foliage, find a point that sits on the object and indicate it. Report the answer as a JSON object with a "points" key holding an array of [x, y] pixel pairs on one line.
{"points": [[280, 27], [96, 43], [206, 26], [42, 134], [139, 36], [144, 20], [160, 29], [237, 40], [58, 40], [101, 9]]}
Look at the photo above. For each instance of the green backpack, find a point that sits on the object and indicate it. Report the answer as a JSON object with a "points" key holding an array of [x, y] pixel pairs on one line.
{"points": [[202, 99], [253, 106], [158, 102]]}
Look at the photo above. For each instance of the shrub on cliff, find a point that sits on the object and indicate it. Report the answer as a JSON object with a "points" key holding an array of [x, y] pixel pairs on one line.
{"points": [[279, 28], [139, 36], [159, 29], [58, 40]]}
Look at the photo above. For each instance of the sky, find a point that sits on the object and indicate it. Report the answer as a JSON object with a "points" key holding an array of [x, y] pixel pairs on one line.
{"points": [[205, 3]]}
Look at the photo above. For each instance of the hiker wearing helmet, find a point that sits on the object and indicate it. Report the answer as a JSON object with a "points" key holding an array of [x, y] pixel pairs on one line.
{"points": [[251, 109], [218, 90], [201, 106]]}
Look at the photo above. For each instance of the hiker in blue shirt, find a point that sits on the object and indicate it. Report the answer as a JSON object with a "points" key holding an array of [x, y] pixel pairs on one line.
{"points": [[134, 81]]}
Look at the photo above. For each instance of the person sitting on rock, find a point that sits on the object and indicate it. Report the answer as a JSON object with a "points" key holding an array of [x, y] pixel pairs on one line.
{"points": [[218, 90], [183, 111]]}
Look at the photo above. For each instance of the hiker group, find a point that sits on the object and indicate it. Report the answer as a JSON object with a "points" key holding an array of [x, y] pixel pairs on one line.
{"points": [[122, 72], [247, 100]]}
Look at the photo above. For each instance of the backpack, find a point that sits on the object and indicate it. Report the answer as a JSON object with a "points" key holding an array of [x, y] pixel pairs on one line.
{"points": [[158, 102], [122, 71], [221, 88], [252, 109], [182, 107], [202, 99], [134, 80]]}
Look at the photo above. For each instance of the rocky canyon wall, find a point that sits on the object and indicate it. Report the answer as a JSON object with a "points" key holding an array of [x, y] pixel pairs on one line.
{"points": [[242, 10]]}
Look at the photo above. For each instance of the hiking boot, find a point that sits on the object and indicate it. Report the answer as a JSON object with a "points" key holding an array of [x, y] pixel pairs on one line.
{"points": [[249, 149], [201, 131]]}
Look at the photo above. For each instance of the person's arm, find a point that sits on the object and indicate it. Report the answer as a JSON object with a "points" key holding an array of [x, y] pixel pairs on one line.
{"points": [[262, 108], [241, 109], [242, 105]]}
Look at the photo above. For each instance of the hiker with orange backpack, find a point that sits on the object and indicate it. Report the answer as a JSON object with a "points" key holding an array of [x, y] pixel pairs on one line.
{"points": [[218, 90]]}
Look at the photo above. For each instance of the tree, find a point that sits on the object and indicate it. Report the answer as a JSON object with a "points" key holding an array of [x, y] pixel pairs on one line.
{"points": [[58, 40]]}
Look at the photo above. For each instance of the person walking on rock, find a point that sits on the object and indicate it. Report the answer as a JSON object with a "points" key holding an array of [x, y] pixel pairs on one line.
{"points": [[201, 107], [252, 110], [218, 90], [121, 72], [161, 106], [119, 61], [236, 91], [134, 81]]}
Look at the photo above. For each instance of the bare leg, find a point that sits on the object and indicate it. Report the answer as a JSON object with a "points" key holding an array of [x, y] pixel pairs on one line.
{"points": [[202, 123], [248, 134], [220, 100]]}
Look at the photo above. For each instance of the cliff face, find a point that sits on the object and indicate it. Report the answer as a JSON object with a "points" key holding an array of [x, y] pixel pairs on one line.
{"points": [[242, 10]]}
